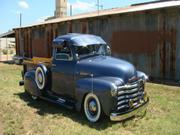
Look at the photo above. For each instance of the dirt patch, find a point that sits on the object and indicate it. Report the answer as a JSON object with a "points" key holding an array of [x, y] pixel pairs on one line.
{"points": [[5, 57]]}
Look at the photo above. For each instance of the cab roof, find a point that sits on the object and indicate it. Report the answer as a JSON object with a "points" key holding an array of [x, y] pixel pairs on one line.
{"points": [[79, 39]]}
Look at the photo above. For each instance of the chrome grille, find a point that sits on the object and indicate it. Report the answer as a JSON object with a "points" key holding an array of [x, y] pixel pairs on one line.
{"points": [[130, 95]]}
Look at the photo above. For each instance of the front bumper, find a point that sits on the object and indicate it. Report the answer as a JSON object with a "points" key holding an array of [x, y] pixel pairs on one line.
{"points": [[122, 116]]}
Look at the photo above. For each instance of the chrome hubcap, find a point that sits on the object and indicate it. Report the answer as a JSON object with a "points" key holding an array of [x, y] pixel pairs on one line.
{"points": [[92, 107], [40, 78]]}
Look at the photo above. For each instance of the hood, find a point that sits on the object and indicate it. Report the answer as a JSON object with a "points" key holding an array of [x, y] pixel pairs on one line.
{"points": [[106, 66]]}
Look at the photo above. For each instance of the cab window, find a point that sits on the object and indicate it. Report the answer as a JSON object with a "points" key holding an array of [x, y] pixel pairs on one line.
{"points": [[63, 52]]}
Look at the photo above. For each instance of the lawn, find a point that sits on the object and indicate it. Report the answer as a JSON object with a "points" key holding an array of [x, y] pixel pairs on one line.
{"points": [[19, 115]]}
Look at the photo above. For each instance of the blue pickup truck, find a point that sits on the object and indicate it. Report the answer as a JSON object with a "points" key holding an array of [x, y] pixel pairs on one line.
{"points": [[82, 75]]}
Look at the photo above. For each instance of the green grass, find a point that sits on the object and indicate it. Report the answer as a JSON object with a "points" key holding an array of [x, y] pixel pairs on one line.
{"points": [[19, 115]]}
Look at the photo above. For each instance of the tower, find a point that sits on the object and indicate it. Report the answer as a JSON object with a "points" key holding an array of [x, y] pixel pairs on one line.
{"points": [[61, 8]]}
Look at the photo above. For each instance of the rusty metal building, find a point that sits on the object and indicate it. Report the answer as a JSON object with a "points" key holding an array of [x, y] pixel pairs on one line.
{"points": [[147, 35]]}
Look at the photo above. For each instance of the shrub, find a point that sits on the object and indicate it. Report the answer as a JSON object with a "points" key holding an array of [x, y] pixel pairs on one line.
{"points": [[5, 51], [11, 51]]}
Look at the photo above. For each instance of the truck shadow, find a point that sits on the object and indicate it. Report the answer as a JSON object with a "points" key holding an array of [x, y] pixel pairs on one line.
{"points": [[10, 62], [44, 107]]}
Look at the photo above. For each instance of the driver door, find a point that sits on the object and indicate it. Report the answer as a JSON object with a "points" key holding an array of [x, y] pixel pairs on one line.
{"points": [[63, 67]]}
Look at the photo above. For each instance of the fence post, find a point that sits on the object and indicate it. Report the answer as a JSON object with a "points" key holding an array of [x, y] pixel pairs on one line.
{"points": [[7, 49]]}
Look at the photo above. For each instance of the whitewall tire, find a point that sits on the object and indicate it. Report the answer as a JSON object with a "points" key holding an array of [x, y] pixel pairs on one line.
{"points": [[40, 78], [92, 107]]}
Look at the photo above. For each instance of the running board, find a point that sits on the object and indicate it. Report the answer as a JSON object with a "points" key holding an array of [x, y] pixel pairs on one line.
{"points": [[59, 101]]}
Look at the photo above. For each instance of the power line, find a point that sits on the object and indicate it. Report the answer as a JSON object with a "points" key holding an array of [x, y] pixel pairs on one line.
{"points": [[71, 10]]}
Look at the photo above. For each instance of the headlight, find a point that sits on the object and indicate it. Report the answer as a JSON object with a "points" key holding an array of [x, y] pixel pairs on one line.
{"points": [[145, 78], [114, 91]]}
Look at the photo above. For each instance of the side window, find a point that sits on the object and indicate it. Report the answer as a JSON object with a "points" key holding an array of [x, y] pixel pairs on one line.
{"points": [[63, 53]]}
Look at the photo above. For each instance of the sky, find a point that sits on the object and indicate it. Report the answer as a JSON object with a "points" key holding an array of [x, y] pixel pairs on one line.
{"points": [[34, 11]]}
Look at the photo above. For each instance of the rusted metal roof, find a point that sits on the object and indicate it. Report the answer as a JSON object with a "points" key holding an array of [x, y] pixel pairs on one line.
{"points": [[8, 34], [133, 8]]}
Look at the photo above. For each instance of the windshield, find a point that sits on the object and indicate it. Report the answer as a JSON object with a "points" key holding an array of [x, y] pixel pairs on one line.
{"points": [[90, 50]]}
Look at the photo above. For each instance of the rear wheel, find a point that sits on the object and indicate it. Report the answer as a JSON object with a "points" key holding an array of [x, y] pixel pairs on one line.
{"points": [[92, 107]]}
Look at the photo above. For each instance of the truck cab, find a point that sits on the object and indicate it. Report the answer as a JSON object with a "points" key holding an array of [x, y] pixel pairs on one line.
{"points": [[82, 75]]}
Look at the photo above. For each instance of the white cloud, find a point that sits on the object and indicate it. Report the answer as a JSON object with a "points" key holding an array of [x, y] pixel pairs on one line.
{"points": [[23, 4], [82, 6]]}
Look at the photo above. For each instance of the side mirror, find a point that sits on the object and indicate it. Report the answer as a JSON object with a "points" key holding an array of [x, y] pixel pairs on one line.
{"points": [[108, 49], [77, 56]]}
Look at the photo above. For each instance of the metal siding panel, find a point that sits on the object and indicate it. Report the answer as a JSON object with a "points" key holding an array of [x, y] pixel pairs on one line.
{"points": [[170, 45], [17, 42], [148, 39], [39, 45], [30, 43], [39, 48], [70, 27], [21, 42], [134, 42], [76, 26], [84, 25], [177, 73], [62, 28]]}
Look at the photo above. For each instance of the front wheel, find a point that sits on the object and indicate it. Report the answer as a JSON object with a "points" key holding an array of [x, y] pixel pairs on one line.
{"points": [[92, 107]]}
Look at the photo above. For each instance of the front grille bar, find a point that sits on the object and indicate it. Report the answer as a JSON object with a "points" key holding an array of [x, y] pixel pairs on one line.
{"points": [[130, 92], [130, 96]]}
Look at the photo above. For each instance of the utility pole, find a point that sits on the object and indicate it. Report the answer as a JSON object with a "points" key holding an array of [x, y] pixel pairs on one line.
{"points": [[99, 6], [70, 10], [20, 19]]}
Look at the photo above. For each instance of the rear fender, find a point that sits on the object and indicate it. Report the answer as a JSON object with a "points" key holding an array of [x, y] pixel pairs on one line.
{"points": [[30, 84]]}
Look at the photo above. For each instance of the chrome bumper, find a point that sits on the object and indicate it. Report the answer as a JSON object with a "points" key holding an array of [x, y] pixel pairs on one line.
{"points": [[120, 117]]}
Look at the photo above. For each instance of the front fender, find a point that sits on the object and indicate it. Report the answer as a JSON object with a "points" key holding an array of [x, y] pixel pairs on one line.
{"points": [[142, 75], [30, 84], [101, 87]]}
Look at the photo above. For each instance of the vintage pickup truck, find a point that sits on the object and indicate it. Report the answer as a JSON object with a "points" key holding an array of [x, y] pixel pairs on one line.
{"points": [[82, 75]]}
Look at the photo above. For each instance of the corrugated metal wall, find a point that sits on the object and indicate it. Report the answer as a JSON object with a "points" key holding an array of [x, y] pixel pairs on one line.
{"points": [[148, 39]]}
